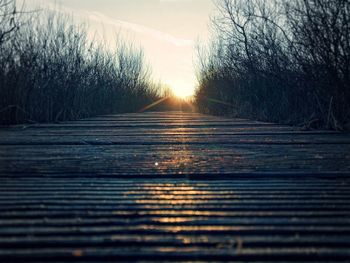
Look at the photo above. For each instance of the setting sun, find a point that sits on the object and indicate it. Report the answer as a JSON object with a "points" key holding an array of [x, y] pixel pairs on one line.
{"points": [[182, 89], [182, 93]]}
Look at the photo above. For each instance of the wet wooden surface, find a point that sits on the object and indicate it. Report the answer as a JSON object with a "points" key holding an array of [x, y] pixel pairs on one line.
{"points": [[173, 187]]}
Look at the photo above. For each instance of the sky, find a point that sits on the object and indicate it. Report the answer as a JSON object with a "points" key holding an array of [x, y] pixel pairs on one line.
{"points": [[167, 30]]}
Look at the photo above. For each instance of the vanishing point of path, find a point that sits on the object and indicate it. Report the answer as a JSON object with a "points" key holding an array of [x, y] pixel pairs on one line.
{"points": [[173, 186]]}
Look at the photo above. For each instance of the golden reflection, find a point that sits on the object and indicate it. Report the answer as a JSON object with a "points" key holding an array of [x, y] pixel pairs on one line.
{"points": [[193, 239], [173, 219], [173, 194], [187, 213], [199, 228], [179, 158], [180, 211], [173, 202], [179, 207]]}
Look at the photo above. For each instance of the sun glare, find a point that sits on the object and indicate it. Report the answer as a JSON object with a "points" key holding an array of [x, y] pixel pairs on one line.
{"points": [[182, 92]]}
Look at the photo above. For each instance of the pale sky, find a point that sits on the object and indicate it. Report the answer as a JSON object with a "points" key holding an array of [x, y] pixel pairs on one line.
{"points": [[167, 30]]}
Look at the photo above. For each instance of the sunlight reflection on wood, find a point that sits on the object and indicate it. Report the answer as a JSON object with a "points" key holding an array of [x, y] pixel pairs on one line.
{"points": [[180, 160], [111, 188]]}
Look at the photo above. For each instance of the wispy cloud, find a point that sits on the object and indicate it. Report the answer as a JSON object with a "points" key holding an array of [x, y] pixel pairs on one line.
{"points": [[119, 25], [101, 18]]}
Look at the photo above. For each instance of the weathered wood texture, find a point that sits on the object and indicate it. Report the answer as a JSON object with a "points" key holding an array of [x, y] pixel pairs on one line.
{"points": [[169, 144], [173, 187]]}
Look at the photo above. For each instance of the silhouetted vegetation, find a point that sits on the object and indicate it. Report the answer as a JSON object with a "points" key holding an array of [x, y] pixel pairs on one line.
{"points": [[51, 71], [285, 61]]}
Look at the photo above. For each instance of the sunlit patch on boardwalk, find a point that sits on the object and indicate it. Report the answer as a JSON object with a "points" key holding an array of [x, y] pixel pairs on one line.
{"points": [[51, 219]]}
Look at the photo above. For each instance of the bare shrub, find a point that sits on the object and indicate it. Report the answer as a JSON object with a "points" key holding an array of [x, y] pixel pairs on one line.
{"points": [[51, 71], [8, 19], [278, 60]]}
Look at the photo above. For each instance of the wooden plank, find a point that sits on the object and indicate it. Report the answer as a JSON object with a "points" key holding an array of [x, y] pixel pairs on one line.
{"points": [[173, 159], [174, 138], [145, 187], [265, 228]]}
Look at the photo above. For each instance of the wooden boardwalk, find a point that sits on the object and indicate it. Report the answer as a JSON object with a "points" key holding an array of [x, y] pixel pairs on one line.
{"points": [[173, 187]]}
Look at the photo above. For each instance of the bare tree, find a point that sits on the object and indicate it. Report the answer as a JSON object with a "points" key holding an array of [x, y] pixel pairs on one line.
{"points": [[8, 15], [51, 71], [279, 60]]}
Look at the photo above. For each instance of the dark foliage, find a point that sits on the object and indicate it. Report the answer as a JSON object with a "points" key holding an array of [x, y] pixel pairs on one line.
{"points": [[278, 60], [50, 71]]}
